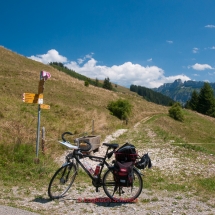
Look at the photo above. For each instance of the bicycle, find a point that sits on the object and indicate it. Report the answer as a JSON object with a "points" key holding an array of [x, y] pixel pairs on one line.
{"points": [[64, 177]]}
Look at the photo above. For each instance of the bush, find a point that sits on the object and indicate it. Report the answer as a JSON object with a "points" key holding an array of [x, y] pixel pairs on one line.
{"points": [[120, 108], [86, 83], [176, 112]]}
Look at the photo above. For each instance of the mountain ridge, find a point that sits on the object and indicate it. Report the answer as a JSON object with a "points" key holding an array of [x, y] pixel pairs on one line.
{"points": [[181, 91]]}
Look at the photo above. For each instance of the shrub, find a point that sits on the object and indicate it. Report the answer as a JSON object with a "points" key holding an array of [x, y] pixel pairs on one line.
{"points": [[120, 108], [176, 112], [86, 83]]}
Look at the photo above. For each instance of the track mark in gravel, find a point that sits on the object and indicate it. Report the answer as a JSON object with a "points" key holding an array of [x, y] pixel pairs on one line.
{"points": [[142, 121], [113, 136]]}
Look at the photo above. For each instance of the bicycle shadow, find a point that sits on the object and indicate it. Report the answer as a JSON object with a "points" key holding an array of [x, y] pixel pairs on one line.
{"points": [[41, 200]]}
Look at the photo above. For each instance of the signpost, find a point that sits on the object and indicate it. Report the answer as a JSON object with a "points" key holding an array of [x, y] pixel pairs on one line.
{"points": [[38, 99], [41, 86]]}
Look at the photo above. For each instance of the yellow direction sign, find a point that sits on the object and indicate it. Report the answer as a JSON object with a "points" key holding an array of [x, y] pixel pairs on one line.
{"points": [[43, 106], [32, 98]]}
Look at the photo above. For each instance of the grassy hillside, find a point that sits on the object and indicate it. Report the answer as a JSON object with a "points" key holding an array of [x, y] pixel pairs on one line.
{"points": [[73, 106]]}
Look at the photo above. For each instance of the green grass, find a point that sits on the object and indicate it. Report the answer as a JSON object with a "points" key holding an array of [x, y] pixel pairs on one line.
{"points": [[18, 168], [205, 148], [206, 184], [195, 132]]}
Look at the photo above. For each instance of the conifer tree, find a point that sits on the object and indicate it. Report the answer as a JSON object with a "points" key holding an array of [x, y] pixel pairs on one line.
{"points": [[97, 82], [107, 84], [193, 103], [206, 101]]}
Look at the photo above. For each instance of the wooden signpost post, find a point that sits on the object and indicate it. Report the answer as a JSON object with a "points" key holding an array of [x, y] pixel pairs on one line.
{"points": [[38, 99]]}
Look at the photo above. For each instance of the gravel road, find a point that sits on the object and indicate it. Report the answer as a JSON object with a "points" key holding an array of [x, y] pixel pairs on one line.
{"points": [[84, 200]]}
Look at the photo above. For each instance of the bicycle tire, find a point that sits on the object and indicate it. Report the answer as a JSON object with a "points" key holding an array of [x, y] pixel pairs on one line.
{"points": [[122, 194], [62, 180]]}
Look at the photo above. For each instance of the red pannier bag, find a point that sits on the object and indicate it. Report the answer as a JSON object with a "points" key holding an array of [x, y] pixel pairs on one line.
{"points": [[123, 173]]}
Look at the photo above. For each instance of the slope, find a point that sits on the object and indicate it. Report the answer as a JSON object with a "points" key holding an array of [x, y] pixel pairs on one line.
{"points": [[73, 106]]}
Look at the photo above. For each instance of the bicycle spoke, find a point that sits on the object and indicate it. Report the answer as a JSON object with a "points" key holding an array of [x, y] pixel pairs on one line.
{"points": [[122, 193], [62, 181]]}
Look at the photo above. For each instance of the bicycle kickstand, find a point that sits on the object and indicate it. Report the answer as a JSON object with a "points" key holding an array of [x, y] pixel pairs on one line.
{"points": [[97, 189]]}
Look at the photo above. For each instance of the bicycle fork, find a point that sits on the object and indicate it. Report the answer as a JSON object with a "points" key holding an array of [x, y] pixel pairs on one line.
{"points": [[63, 179]]}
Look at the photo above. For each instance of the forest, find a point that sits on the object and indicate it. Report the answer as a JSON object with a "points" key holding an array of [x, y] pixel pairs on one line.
{"points": [[152, 96]]}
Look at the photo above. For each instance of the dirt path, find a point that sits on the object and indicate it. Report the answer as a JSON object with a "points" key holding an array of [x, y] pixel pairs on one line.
{"points": [[85, 200]]}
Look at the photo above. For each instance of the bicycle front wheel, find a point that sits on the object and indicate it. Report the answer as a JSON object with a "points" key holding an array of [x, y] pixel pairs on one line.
{"points": [[62, 181], [119, 193]]}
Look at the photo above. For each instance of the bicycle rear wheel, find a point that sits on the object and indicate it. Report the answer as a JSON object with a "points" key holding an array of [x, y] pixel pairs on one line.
{"points": [[119, 193], [62, 181]]}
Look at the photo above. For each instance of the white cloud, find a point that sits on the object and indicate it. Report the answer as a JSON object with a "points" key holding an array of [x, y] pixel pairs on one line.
{"points": [[88, 56], [213, 47], [169, 41], [195, 50], [149, 60], [80, 60], [51, 56], [198, 66], [124, 74], [210, 26]]}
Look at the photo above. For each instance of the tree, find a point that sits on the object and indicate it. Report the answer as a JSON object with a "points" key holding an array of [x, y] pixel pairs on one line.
{"points": [[107, 84], [206, 101], [176, 112], [193, 102], [97, 82]]}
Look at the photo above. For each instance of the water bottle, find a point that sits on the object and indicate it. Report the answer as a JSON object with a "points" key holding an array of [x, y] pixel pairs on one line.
{"points": [[97, 170], [88, 167], [91, 170]]}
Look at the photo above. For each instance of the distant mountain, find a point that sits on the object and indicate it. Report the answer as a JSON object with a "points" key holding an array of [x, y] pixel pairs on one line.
{"points": [[179, 91]]}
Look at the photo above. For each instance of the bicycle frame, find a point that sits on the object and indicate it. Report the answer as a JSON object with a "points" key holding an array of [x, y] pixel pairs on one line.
{"points": [[95, 180]]}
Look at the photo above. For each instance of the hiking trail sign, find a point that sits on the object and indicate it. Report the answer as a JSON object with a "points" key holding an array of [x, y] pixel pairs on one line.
{"points": [[32, 98], [38, 99]]}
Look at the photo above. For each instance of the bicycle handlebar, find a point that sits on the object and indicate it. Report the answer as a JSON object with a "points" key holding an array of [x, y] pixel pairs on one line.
{"points": [[83, 146], [67, 132]]}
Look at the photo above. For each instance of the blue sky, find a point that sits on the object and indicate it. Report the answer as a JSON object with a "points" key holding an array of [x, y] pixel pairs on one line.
{"points": [[141, 42]]}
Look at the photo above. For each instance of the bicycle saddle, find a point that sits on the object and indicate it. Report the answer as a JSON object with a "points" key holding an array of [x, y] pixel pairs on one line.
{"points": [[111, 145]]}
